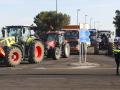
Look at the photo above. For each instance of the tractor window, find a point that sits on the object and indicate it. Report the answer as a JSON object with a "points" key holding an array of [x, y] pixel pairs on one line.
{"points": [[26, 32], [73, 34], [32, 32], [60, 38], [1, 36], [14, 31], [51, 37]]}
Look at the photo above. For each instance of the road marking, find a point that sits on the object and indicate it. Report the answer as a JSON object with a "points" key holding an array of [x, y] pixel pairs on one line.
{"points": [[78, 67], [16, 68], [46, 78], [106, 68], [82, 67], [40, 68], [60, 68]]}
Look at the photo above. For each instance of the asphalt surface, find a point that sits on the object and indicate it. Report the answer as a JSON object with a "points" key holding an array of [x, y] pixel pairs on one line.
{"points": [[61, 75]]}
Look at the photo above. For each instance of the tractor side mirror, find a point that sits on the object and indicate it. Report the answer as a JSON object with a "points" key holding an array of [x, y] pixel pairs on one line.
{"points": [[3, 32]]}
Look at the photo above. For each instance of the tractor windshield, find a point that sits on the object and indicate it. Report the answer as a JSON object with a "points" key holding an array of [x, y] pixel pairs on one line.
{"points": [[92, 34], [72, 34], [51, 37], [14, 31]]}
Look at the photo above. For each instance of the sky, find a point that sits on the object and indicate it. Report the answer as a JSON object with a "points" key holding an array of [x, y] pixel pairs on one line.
{"points": [[22, 12]]}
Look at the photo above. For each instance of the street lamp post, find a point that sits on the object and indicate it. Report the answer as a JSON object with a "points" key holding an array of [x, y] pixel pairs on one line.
{"points": [[94, 24], [78, 15], [85, 18], [56, 7], [91, 22], [56, 13]]}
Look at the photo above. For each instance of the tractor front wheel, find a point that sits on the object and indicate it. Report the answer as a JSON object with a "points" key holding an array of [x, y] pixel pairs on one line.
{"points": [[66, 50], [56, 53], [13, 56]]}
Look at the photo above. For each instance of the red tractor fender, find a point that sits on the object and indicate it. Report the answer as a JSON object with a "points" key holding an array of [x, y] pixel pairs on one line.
{"points": [[2, 52]]}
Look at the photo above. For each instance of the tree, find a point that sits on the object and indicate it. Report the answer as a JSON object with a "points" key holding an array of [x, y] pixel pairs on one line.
{"points": [[116, 22], [51, 21]]}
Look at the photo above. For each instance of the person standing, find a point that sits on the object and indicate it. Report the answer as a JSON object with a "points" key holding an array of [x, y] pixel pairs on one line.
{"points": [[117, 57]]}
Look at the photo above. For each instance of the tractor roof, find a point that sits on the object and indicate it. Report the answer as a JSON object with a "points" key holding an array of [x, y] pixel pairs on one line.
{"points": [[55, 32], [21, 26]]}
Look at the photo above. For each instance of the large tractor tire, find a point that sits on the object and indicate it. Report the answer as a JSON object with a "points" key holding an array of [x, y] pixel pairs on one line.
{"points": [[56, 53], [110, 48], [13, 56], [66, 50], [36, 53]]}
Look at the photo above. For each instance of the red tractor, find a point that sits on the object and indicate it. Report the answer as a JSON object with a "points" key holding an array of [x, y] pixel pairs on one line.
{"points": [[55, 45]]}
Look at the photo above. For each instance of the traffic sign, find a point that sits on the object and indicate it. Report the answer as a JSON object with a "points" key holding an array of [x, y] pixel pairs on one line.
{"points": [[84, 40], [84, 35]]}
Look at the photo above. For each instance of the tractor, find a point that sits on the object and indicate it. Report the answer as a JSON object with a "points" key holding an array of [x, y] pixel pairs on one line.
{"points": [[18, 43], [104, 42], [55, 45]]}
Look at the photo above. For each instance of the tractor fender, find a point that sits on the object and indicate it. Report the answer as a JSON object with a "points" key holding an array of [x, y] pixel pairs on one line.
{"points": [[37, 40]]}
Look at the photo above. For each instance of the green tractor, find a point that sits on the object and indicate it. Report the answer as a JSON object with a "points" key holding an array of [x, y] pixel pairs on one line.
{"points": [[19, 43]]}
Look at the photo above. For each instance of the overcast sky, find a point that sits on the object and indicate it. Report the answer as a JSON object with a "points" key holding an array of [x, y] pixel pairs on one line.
{"points": [[22, 12]]}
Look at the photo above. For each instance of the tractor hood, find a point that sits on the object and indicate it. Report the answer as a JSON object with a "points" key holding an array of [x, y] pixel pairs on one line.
{"points": [[50, 43], [7, 41]]}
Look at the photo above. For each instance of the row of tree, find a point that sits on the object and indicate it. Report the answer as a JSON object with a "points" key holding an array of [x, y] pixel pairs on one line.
{"points": [[51, 21], [116, 22]]}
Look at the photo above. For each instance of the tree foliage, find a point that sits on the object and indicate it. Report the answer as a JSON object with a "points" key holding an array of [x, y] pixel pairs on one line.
{"points": [[51, 21], [117, 22]]}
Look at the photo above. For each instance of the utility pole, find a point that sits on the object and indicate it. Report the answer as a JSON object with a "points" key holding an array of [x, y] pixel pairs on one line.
{"points": [[94, 24], [78, 16], [86, 18], [56, 7], [56, 13], [91, 22]]}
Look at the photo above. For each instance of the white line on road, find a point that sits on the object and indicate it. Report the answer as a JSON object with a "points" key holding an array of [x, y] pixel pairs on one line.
{"points": [[64, 68], [78, 67]]}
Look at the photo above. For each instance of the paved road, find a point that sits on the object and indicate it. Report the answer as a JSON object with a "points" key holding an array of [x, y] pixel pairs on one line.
{"points": [[61, 75]]}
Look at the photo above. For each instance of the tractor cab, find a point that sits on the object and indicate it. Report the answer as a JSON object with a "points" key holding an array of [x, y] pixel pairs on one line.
{"points": [[53, 39]]}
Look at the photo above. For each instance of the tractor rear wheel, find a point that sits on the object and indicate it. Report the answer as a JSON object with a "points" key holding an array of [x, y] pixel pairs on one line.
{"points": [[57, 53], [36, 52], [66, 50], [13, 56]]}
